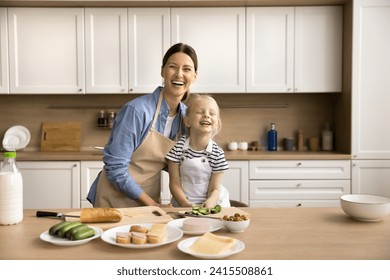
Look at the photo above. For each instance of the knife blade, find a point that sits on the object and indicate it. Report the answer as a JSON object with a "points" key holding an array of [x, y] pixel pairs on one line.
{"points": [[54, 215]]}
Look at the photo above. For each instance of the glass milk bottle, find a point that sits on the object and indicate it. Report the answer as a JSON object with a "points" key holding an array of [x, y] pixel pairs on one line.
{"points": [[11, 191]]}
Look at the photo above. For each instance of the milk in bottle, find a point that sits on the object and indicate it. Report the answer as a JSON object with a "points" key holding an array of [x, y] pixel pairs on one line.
{"points": [[11, 191]]}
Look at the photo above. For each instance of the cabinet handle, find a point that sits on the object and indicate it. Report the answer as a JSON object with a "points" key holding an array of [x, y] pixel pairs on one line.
{"points": [[289, 89], [299, 163], [298, 185], [299, 204], [80, 89], [130, 89]]}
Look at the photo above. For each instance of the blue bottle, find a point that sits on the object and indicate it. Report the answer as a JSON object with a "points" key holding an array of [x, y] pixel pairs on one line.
{"points": [[272, 138]]}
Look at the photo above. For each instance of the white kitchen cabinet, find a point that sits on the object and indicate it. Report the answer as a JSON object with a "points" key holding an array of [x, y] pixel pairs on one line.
{"points": [[318, 49], [294, 49], [288, 183], [371, 177], [370, 97], [165, 191], [236, 180], [119, 57], [149, 39], [50, 184], [46, 49], [88, 171], [218, 37], [370, 81], [106, 50], [270, 49], [3, 51]]}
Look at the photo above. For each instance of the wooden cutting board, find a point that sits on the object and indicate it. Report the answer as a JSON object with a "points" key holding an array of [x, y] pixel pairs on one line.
{"points": [[133, 215], [60, 136], [229, 211]]}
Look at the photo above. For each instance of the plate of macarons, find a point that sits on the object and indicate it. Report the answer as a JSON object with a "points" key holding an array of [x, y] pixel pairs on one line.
{"points": [[142, 236]]}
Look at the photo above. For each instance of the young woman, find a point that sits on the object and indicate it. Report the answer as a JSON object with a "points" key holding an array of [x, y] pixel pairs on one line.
{"points": [[196, 163], [142, 134]]}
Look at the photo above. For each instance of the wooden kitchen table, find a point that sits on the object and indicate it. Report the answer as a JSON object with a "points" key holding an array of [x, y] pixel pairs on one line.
{"points": [[274, 234]]}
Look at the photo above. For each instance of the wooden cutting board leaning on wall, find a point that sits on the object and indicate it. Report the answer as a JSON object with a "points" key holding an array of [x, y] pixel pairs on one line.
{"points": [[60, 136]]}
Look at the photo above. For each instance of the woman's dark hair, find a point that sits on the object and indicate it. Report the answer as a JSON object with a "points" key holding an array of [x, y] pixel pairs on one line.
{"points": [[184, 48]]}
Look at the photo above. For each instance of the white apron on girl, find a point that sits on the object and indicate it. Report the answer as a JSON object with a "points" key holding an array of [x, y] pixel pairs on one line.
{"points": [[195, 176]]}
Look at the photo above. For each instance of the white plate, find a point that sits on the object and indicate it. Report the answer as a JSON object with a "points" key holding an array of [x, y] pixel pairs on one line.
{"points": [[185, 244], [16, 138], [214, 225], [45, 236], [109, 236]]}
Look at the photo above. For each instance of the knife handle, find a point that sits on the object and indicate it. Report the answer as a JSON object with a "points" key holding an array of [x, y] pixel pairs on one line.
{"points": [[46, 214]]}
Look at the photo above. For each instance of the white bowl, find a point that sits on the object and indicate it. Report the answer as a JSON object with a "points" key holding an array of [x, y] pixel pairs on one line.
{"points": [[232, 146], [365, 207], [236, 226]]}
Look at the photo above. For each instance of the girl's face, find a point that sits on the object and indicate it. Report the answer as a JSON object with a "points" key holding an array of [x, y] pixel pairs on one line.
{"points": [[178, 73], [203, 117]]}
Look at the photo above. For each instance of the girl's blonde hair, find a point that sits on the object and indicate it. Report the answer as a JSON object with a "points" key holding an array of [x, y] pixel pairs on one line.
{"points": [[196, 96]]}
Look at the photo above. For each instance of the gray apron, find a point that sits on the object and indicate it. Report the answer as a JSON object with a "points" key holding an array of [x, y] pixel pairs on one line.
{"points": [[145, 168]]}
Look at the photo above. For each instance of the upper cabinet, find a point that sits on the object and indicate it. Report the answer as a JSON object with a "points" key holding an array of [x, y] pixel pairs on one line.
{"points": [[294, 49], [120, 50], [119, 57], [370, 81], [46, 50], [106, 50], [149, 39], [3, 51], [218, 37], [318, 49]]}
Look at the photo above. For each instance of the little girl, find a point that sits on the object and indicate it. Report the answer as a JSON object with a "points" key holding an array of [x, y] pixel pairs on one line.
{"points": [[196, 163]]}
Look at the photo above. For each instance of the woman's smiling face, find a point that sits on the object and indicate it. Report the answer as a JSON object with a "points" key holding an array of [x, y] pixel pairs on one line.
{"points": [[178, 73]]}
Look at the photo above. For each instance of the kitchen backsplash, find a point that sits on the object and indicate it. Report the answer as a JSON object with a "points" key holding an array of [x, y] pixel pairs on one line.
{"points": [[245, 117]]}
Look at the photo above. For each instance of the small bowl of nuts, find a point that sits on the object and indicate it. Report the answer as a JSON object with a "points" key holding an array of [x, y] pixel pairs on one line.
{"points": [[236, 222]]}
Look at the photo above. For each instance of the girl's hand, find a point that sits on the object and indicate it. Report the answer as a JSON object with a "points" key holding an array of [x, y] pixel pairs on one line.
{"points": [[169, 205]]}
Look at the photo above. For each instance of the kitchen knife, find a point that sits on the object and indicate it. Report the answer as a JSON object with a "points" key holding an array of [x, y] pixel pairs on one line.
{"points": [[184, 215], [54, 214]]}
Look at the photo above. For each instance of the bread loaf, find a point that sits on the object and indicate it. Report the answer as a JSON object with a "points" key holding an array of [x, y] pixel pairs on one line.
{"points": [[100, 215]]}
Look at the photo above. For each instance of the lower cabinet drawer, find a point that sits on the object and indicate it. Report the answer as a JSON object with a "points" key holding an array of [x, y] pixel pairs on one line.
{"points": [[298, 170], [297, 189], [294, 203]]}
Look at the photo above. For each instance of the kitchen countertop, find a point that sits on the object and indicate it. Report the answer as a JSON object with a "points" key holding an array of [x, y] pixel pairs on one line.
{"points": [[274, 234], [230, 155]]}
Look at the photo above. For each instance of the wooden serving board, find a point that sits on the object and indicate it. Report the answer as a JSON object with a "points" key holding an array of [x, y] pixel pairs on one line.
{"points": [[133, 215], [60, 136]]}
